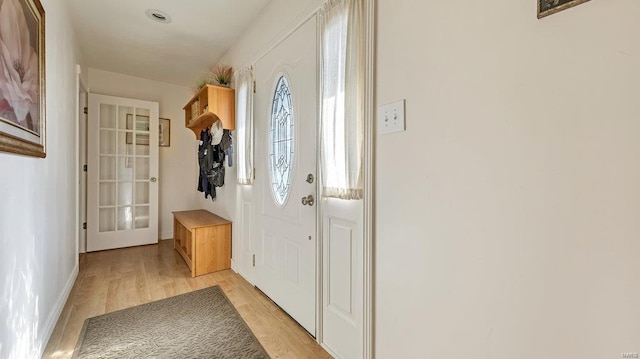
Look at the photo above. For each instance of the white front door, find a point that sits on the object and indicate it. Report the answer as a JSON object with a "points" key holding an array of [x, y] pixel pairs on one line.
{"points": [[122, 203], [286, 120]]}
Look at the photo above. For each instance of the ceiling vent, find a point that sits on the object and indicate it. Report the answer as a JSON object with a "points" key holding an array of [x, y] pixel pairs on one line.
{"points": [[158, 16]]}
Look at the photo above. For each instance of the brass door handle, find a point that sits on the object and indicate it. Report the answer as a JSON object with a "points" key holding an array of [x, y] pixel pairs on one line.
{"points": [[308, 200]]}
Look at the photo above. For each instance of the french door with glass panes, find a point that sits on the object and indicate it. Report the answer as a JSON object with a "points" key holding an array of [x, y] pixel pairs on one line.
{"points": [[122, 198]]}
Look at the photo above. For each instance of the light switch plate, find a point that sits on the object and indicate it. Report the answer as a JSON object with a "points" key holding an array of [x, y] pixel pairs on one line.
{"points": [[391, 118]]}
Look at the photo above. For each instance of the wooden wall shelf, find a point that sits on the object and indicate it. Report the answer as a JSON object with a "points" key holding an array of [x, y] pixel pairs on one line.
{"points": [[208, 105]]}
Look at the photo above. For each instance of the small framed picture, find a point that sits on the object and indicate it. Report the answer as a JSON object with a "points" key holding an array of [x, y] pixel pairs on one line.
{"points": [[548, 7], [164, 138]]}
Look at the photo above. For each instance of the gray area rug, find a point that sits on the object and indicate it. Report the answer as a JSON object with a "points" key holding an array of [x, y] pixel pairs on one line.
{"points": [[200, 324]]}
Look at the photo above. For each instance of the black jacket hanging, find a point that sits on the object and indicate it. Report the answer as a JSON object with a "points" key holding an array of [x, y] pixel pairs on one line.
{"points": [[203, 150], [211, 161]]}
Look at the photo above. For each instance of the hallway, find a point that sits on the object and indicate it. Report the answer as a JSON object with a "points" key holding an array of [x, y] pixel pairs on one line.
{"points": [[122, 278]]}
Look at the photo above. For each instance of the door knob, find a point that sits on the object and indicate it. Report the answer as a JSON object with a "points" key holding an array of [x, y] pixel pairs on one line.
{"points": [[153, 179], [308, 200]]}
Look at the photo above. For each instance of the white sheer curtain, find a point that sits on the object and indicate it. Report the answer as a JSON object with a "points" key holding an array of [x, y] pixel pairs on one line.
{"points": [[244, 125], [342, 99]]}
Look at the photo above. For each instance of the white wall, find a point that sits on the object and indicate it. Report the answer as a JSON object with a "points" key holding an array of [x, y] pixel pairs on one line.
{"points": [[37, 208], [178, 162], [275, 21], [507, 214]]}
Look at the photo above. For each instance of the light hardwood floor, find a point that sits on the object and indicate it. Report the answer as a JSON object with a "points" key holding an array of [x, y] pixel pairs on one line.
{"points": [[123, 278]]}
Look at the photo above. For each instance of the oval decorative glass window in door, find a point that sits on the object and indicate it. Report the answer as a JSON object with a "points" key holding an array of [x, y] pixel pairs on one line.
{"points": [[281, 141]]}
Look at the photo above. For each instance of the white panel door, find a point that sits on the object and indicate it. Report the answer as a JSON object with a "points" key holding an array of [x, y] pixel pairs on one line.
{"points": [[122, 203], [285, 121]]}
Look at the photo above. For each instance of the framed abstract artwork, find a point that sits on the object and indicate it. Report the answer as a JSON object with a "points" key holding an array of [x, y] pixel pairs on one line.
{"points": [[22, 77], [548, 7]]}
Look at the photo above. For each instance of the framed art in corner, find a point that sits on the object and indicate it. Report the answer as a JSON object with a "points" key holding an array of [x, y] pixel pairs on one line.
{"points": [[164, 138], [548, 7], [22, 77]]}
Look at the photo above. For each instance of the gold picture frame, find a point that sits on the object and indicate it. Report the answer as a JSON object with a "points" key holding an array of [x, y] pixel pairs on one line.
{"points": [[22, 94], [164, 136], [549, 7]]}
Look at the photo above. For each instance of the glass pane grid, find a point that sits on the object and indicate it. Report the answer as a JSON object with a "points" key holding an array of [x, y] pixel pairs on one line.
{"points": [[142, 168], [107, 169], [142, 151], [107, 116], [141, 217], [142, 193], [107, 142], [124, 168], [106, 219], [125, 218], [281, 140], [125, 193], [106, 194], [125, 118]]}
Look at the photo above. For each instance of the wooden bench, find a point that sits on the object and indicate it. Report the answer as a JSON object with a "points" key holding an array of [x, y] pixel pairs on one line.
{"points": [[203, 240]]}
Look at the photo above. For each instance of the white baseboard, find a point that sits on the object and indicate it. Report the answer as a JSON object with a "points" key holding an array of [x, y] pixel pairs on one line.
{"points": [[166, 235], [50, 324]]}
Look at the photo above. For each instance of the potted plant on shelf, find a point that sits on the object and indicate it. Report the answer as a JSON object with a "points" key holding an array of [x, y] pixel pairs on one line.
{"points": [[221, 75]]}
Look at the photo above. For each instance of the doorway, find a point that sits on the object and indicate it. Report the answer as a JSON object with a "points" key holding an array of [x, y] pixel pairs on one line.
{"points": [[122, 200], [81, 161], [285, 115], [344, 229]]}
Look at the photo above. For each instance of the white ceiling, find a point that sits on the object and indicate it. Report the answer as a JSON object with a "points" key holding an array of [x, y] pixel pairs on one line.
{"points": [[117, 35]]}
